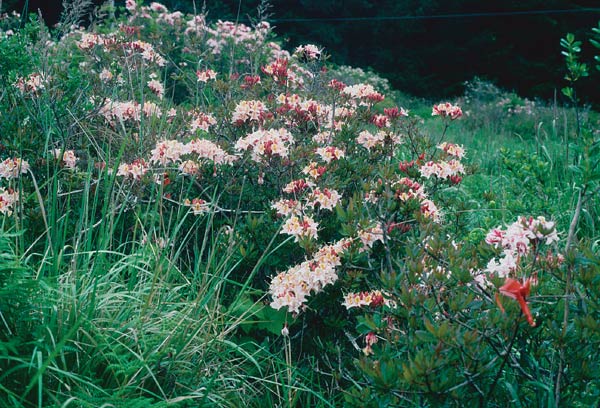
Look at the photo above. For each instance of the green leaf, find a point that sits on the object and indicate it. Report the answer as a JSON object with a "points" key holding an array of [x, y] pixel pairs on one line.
{"points": [[568, 92], [513, 393], [272, 320]]}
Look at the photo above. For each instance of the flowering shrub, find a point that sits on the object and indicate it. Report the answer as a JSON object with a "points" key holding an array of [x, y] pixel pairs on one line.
{"points": [[210, 188]]}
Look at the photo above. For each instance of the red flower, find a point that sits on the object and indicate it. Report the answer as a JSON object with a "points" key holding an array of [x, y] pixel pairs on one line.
{"points": [[514, 289]]}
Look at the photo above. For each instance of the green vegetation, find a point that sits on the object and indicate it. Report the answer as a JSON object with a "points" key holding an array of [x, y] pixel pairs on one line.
{"points": [[193, 216]]}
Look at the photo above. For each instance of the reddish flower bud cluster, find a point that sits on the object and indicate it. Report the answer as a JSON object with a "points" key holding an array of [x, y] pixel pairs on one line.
{"points": [[337, 85], [250, 81]]}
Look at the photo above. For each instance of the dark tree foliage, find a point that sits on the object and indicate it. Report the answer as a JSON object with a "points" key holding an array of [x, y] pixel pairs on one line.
{"points": [[420, 54]]}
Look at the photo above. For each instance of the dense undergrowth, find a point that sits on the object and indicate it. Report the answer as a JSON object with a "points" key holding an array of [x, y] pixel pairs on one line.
{"points": [[194, 216]]}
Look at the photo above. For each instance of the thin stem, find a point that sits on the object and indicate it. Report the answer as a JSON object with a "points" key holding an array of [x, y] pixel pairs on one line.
{"points": [[504, 361]]}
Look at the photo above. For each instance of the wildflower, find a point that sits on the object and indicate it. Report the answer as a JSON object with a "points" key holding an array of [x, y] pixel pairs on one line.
{"points": [[520, 235], [291, 288], [381, 121], [369, 236], [266, 143], [325, 198], [189, 167], [11, 168], [250, 81], [146, 50], [151, 109], [314, 170], [358, 91], [308, 52], [287, 207], [157, 88], [167, 151], [442, 169], [202, 121], [68, 158], [205, 149], [337, 85], [447, 110], [330, 153], [407, 189], [504, 266], [89, 41], [8, 198], [452, 149], [134, 170], [130, 5], [249, 111], [206, 75], [296, 186], [198, 205], [162, 179], [159, 8], [430, 210], [278, 69], [121, 111], [106, 75], [300, 227], [394, 112], [372, 298], [369, 140], [33, 84], [196, 25], [515, 290]]}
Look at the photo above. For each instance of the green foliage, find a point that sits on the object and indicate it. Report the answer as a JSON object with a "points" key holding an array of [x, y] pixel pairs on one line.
{"points": [[575, 69], [136, 270]]}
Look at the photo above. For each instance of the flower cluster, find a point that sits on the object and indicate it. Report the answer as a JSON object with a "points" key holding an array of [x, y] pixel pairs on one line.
{"points": [[133, 170], [365, 94], [12, 168], [145, 50], [301, 227], [68, 157], [206, 75], [249, 111], [8, 198], [168, 152], [517, 240], [201, 121], [325, 198], [130, 111], [278, 70], [372, 298], [313, 170], [308, 52], [369, 140], [33, 84], [291, 288], [197, 205], [443, 170], [266, 143], [106, 75], [452, 149], [227, 32], [297, 186], [369, 236], [330, 153], [287, 207], [157, 88], [408, 189], [447, 110]]}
